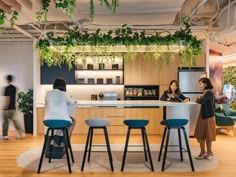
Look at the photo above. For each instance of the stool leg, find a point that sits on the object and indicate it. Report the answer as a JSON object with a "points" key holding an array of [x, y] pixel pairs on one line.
{"points": [[162, 144], [126, 147], [86, 148], [188, 149], [180, 145], [43, 150], [108, 148], [144, 144], [66, 149], [69, 146], [50, 146], [90, 144], [148, 147], [166, 148]]}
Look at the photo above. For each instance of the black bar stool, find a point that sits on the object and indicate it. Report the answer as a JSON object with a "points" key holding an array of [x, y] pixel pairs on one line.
{"points": [[174, 124], [137, 124], [96, 124], [57, 125]]}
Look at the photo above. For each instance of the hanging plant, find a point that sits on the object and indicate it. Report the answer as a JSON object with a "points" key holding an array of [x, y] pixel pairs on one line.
{"points": [[2, 16], [13, 18], [102, 43], [67, 5], [44, 11]]}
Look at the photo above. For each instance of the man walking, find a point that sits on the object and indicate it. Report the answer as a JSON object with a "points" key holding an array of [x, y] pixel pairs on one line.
{"points": [[10, 109]]}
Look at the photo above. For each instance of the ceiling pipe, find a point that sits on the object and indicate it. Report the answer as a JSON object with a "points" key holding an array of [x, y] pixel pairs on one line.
{"points": [[226, 7], [5, 7], [195, 10], [16, 27], [14, 4], [26, 3]]}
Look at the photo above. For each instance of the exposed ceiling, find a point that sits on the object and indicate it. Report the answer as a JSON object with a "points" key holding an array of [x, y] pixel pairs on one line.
{"points": [[210, 19]]}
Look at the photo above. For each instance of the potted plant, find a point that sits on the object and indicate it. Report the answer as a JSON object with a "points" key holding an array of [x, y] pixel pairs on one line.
{"points": [[25, 105]]}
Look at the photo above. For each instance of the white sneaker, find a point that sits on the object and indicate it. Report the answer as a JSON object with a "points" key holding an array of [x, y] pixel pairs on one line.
{"points": [[4, 137], [20, 135]]}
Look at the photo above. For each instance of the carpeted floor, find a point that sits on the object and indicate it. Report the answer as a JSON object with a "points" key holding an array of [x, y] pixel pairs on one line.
{"points": [[99, 161]]}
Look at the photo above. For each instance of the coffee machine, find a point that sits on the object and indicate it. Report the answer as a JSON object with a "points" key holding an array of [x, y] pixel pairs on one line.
{"points": [[108, 96]]}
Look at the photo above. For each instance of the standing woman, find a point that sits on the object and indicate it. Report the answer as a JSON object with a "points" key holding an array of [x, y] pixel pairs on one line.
{"points": [[205, 130]]}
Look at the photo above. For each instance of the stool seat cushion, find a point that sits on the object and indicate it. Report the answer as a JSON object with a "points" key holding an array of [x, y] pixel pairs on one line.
{"points": [[174, 123], [57, 123], [97, 122], [136, 123]]}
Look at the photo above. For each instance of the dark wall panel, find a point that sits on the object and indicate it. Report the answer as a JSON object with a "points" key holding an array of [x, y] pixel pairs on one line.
{"points": [[49, 74]]}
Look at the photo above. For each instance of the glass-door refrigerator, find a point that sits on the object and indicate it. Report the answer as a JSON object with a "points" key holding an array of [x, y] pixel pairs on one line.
{"points": [[189, 85]]}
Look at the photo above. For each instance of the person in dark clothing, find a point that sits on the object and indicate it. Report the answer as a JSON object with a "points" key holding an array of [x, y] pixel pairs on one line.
{"points": [[173, 93], [205, 130], [10, 109]]}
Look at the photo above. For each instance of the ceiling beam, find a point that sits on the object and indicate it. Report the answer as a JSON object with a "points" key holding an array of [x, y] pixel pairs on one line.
{"points": [[26, 3], [14, 4], [16, 27], [38, 2], [196, 9], [5, 7]]}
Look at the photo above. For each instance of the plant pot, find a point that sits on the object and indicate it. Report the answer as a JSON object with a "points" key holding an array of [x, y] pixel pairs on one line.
{"points": [[28, 122]]}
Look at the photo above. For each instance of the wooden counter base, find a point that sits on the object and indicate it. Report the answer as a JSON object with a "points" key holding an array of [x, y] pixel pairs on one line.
{"points": [[115, 114]]}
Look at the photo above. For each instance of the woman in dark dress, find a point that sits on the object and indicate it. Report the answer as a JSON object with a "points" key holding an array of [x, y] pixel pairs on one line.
{"points": [[173, 93], [205, 130]]}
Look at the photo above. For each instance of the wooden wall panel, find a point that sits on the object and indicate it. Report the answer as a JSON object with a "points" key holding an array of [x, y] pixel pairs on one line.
{"points": [[141, 72]]}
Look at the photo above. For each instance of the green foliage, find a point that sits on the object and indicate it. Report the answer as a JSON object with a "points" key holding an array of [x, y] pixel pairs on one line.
{"points": [[13, 18], [44, 11], [229, 75], [2, 17], [67, 5], [125, 36], [25, 102], [233, 104]]}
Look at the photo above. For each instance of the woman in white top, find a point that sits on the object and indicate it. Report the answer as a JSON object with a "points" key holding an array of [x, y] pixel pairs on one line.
{"points": [[58, 103]]}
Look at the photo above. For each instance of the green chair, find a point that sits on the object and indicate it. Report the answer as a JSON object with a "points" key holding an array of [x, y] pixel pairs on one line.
{"points": [[228, 111], [226, 122]]}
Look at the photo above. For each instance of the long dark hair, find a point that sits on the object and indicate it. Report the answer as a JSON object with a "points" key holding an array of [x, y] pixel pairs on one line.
{"points": [[60, 84], [177, 91], [206, 81]]}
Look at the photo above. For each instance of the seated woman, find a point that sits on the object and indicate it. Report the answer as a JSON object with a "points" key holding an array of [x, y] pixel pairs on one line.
{"points": [[173, 93], [57, 106]]}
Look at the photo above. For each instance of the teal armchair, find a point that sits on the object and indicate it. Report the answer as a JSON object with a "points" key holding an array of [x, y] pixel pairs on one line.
{"points": [[228, 111], [225, 122]]}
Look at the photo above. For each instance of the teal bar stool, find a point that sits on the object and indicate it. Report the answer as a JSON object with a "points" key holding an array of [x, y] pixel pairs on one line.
{"points": [[52, 125], [96, 123], [137, 124], [179, 125]]}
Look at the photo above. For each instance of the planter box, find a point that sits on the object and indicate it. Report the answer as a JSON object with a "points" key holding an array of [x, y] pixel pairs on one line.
{"points": [[28, 122]]}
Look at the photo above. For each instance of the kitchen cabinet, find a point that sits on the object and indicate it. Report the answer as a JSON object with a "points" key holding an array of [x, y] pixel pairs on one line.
{"points": [[115, 114]]}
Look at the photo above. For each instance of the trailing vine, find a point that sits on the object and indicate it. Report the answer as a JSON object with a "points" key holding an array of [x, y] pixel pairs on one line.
{"points": [[106, 43], [67, 5], [13, 18], [2, 16], [43, 11]]}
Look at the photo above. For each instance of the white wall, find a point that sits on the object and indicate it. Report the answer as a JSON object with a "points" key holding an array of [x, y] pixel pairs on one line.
{"points": [[16, 58]]}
